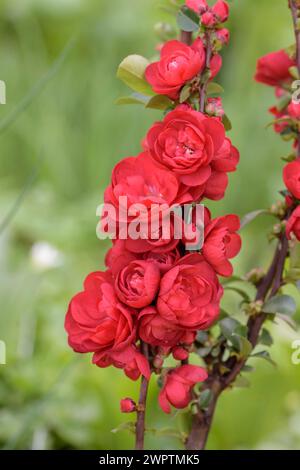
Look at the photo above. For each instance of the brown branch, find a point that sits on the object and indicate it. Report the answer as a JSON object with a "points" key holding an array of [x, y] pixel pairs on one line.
{"points": [[268, 287], [217, 383], [141, 407], [295, 8], [186, 37], [203, 85]]}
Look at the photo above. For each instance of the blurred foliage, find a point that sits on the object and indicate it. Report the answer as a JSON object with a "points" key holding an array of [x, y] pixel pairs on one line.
{"points": [[69, 135]]}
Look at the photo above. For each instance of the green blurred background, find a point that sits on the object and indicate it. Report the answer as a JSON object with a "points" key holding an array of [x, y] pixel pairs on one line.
{"points": [[56, 158]]}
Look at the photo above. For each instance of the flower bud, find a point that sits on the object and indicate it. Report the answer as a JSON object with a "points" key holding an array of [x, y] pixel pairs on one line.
{"points": [[223, 35], [127, 405], [208, 19], [158, 362], [180, 354], [221, 10], [294, 110], [199, 6], [214, 107]]}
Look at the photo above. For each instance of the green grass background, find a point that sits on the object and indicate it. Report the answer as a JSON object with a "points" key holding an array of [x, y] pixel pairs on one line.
{"points": [[63, 147]]}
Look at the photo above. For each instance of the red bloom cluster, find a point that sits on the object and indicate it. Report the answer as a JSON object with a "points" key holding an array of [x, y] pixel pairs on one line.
{"points": [[153, 291], [275, 69]]}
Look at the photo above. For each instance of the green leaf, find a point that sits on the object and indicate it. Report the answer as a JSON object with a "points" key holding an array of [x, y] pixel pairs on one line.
{"points": [[265, 338], [283, 102], [135, 98], [264, 355], [188, 20], [241, 382], [293, 274], [159, 102], [131, 71], [129, 426], [294, 72], [213, 88], [205, 351], [202, 337], [287, 319], [239, 291], [241, 344], [226, 122], [251, 216], [228, 326], [283, 304], [247, 368], [185, 93], [205, 399]]}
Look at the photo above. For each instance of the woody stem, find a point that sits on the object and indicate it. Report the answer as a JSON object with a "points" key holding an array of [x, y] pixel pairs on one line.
{"points": [[141, 408], [295, 9]]}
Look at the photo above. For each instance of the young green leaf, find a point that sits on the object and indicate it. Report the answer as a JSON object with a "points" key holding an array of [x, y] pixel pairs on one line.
{"points": [[159, 102], [226, 122], [264, 355], [228, 326], [251, 216], [213, 88], [185, 93], [265, 338], [135, 98], [283, 304], [131, 71], [188, 20], [205, 399]]}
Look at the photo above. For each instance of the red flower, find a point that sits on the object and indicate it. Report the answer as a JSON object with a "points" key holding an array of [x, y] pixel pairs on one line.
{"points": [[141, 181], [178, 384], [164, 260], [185, 142], [178, 64], [96, 320], [293, 224], [137, 284], [127, 405], [221, 242], [129, 359], [118, 257], [281, 125], [273, 69], [291, 177], [190, 294], [155, 330]]}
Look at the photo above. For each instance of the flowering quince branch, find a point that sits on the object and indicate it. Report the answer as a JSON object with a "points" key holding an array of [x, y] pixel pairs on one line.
{"points": [[160, 295], [275, 70]]}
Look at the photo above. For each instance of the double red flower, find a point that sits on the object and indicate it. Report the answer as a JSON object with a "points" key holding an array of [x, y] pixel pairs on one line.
{"points": [[153, 291]]}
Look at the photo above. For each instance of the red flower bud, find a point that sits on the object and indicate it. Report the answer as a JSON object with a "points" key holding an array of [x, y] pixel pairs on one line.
{"points": [[127, 405], [294, 110], [208, 19], [223, 35], [158, 362], [221, 10], [199, 6], [180, 354]]}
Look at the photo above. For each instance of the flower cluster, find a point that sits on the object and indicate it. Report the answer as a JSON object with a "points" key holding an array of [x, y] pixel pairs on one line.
{"points": [[154, 292], [278, 69]]}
